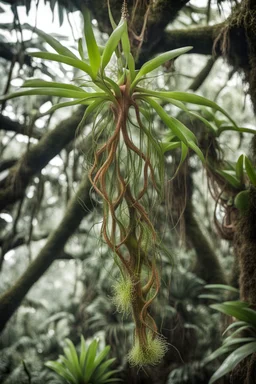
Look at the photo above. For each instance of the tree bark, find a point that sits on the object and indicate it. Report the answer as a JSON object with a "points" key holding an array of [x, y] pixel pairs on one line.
{"points": [[54, 247]]}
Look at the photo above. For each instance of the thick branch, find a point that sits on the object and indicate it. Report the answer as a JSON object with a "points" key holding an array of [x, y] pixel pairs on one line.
{"points": [[14, 186], [53, 249], [202, 75], [200, 38], [6, 124], [8, 53], [8, 163]]}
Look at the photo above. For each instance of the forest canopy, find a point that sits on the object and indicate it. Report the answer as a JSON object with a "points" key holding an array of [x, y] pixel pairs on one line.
{"points": [[127, 191]]}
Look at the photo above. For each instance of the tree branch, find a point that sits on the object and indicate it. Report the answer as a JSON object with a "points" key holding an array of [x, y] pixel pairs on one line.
{"points": [[6, 124], [32, 162], [7, 52], [202, 75], [8, 163], [53, 249], [200, 38]]}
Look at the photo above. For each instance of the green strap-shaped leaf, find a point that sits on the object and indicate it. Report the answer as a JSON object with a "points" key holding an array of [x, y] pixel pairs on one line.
{"points": [[233, 359], [81, 48], [131, 66], [89, 361], [89, 100], [67, 363], [184, 153], [107, 375], [112, 43], [94, 105], [101, 369], [64, 105], [73, 357], [238, 331], [150, 65], [189, 98], [48, 92], [55, 44], [181, 106], [34, 83], [159, 95], [59, 368], [213, 130], [240, 168], [82, 356], [223, 128], [126, 43], [235, 325], [221, 287], [230, 177], [113, 85], [197, 150], [218, 352], [238, 340], [250, 170], [209, 296], [92, 47], [239, 310], [111, 19], [76, 63], [102, 356], [179, 129], [165, 147]]}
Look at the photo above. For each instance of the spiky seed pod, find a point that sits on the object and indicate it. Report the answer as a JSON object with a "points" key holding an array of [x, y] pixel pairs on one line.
{"points": [[123, 295], [149, 354], [124, 11]]}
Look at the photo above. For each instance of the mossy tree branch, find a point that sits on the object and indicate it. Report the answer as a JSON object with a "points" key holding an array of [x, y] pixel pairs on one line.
{"points": [[53, 249]]}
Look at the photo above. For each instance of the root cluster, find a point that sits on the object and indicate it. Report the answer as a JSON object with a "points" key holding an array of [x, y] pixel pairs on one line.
{"points": [[125, 173]]}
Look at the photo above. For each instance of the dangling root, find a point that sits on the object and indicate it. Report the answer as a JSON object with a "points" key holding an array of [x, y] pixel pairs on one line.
{"points": [[127, 228]]}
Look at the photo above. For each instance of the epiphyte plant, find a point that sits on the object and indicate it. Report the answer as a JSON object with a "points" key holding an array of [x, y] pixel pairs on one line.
{"points": [[127, 170]]}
